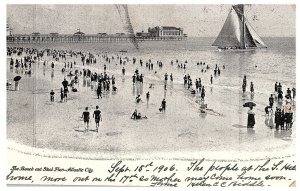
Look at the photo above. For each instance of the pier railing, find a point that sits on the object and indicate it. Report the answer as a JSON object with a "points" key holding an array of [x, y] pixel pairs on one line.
{"points": [[42, 38]]}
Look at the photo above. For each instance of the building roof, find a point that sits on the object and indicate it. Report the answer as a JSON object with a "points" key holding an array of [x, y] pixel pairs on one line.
{"points": [[79, 33], [165, 28], [169, 28]]}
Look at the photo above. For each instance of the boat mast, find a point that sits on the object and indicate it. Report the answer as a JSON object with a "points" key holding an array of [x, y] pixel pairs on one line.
{"points": [[243, 29]]}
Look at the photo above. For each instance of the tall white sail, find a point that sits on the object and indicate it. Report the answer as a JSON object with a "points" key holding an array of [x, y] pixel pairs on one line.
{"points": [[257, 40], [248, 40], [237, 32], [230, 35]]}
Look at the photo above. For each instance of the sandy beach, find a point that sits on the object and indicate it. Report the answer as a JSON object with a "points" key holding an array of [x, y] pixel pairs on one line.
{"points": [[33, 120]]}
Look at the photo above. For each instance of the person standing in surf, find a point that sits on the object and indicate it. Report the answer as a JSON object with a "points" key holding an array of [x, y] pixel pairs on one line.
{"points": [[163, 105], [147, 96], [288, 114], [280, 96], [133, 78], [166, 77], [252, 88], [251, 118], [271, 101], [277, 118], [294, 95], [99, 91], [244, 88], [123, 71], [61, 94], [52, 66], [202, 93], [244, 84], [52, 96]]}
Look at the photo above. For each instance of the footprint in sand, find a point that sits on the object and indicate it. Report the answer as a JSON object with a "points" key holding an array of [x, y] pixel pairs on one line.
{"points": [[77, 128], [113, 133], [187, 134], [239, 126]]}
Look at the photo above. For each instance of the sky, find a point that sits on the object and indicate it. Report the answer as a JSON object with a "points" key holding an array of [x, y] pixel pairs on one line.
{"points": [[196, 20]]}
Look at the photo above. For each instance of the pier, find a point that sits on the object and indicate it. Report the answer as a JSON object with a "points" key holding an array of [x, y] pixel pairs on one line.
{"points": [[90, 38], [158, 33]]}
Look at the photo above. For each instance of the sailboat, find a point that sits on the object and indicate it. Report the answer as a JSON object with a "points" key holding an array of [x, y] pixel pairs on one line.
{"points": [[237, 33]]}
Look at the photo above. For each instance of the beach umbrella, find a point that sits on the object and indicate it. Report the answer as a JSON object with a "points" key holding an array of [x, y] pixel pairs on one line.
{"points": [[17, 78], [249, 104]]}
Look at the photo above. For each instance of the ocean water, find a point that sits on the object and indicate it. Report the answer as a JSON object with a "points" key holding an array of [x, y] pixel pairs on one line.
{"points": [[182, 126], [276, 63]]}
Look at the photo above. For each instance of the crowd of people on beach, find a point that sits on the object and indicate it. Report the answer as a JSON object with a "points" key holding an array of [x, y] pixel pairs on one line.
{"points": [[102, 83], [283, 112]]}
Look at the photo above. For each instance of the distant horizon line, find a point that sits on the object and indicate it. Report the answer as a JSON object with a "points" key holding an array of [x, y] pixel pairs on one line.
{"points": [[128, 33]]}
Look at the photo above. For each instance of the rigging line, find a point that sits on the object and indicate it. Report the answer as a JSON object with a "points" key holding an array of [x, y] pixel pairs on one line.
{"points": [[34, 85]]}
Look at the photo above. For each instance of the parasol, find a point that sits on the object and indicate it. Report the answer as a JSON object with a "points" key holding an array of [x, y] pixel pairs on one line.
{"points": [[17, 78], [249, 104]]}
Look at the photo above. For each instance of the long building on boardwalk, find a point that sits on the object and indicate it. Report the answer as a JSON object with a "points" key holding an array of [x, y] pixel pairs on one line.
{"points": [[154, 34]]}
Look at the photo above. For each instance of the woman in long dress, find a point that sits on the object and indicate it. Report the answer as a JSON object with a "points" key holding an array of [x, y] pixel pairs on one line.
{"points": [[17, 85], [251, 118]]}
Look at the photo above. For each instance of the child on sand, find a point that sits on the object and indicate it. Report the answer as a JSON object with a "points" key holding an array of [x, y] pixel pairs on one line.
{"points": [[52, 96], [134, 115]]}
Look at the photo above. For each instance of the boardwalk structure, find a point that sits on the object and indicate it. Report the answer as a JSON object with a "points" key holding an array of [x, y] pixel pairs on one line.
{"points": [[158, 33], [80, 37]]}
